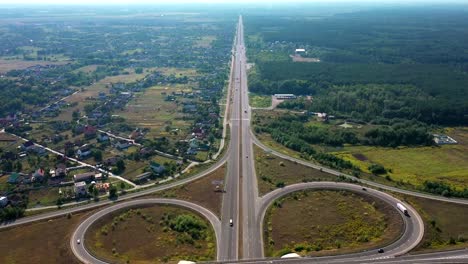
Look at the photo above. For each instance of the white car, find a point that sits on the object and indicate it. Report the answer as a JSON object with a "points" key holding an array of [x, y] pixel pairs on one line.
{"points": [[78, 241], [231, 223]]}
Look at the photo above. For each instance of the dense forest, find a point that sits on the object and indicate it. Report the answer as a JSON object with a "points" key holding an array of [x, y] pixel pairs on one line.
{"points": [[374, 65]]}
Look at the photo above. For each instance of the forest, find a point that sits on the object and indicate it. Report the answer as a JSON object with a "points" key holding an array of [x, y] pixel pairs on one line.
{"points": [[374, 65]]}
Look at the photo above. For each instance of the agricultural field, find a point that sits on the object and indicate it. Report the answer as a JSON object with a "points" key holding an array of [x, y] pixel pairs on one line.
{"points": [[8, 65], [329, 222], [157, 236]]}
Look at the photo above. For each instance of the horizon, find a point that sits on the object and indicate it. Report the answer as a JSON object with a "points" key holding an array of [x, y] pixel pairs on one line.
{"points": [[217, 2]]}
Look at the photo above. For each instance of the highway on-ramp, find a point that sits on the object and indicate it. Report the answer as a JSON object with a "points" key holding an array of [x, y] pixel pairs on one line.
{"points": [[84, 256]]}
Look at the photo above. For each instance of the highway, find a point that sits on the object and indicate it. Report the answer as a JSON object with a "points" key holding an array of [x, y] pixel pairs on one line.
{"points": [[243, 242], [84, 256]]}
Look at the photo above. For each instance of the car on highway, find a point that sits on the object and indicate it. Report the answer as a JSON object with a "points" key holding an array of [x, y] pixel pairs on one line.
{"points": [[245, 111], [78, 241], [231, 223], [381, 250]]}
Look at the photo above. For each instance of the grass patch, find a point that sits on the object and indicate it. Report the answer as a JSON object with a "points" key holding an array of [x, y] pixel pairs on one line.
{"points": [[201, 191], [445, 224], [272, 172], [40, 242], [414, 165], [159, 234], [329, 222], [257, 100]]}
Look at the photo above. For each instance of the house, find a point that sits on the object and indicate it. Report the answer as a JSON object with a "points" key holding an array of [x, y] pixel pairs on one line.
{"points": [[89, 131], [136, 135], [83, 152], [440, 139], [80, 188], [123, 144], [102, 187], [3, 201], [61, 170], [142, 177], [189, 108], [88, 176], [157, 168], [29, 145], [102, 137], [111, 161], [38, 175], [13, 178], [102, 96]]}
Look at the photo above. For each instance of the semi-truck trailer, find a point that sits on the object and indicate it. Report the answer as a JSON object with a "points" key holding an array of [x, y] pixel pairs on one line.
{"points": [[402, 208]]}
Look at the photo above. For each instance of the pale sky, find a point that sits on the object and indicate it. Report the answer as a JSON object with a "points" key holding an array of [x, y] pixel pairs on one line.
{"points": [[156, 2]]}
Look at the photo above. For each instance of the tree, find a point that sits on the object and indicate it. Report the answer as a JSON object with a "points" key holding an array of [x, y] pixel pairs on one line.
{"points": [[112, 192], [97, 154], [120, 166]]}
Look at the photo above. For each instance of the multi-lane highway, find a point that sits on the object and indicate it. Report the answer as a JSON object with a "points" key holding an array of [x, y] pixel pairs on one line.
{"points": [[241, 240]]}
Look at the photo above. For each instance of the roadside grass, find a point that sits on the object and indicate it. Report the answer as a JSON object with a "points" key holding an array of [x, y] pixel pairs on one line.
{"points": [[201, 191], [445, 224], [43, 197], [273, 172], [329, 222], [414, 165], [154, 238], [40, 242], [257, 100]]}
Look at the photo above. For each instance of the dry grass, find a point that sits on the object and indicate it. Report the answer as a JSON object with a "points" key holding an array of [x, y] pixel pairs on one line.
{"points": [[201, 191], [330, 222], [150, 241], [272, 170], [8, 65], [442, 221], [40, 242]]}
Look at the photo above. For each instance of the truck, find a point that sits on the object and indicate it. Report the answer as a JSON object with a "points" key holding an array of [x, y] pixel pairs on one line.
{"points": [[402, 208]]}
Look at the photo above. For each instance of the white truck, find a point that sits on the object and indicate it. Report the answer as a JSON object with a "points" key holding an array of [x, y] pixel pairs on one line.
{"points": [[402, 208]]}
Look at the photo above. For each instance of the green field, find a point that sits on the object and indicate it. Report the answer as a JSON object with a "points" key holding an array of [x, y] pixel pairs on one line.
{"points": [[415, 165]]}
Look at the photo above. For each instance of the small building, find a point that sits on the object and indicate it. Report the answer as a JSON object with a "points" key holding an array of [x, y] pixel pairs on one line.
{"points": [[13, 178], [102, 187], [38, 175], [440, 139], [83, 152], [102, 137], [89, 131], [122, 144], [284, 96], [88, 176], [142, 177], [157, 168], [80, 188], [29, 145], [3, 201], [299, 51], [60, 170]]}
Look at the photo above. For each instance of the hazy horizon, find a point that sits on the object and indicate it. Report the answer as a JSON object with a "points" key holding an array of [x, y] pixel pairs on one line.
{"points": [[172, 2]]}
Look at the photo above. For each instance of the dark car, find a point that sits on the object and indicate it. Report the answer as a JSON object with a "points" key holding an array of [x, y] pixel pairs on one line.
{"points": [[381, 250]]}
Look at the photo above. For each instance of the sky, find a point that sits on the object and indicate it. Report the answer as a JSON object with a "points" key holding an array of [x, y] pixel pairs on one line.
{"points": [[155, 2]]}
